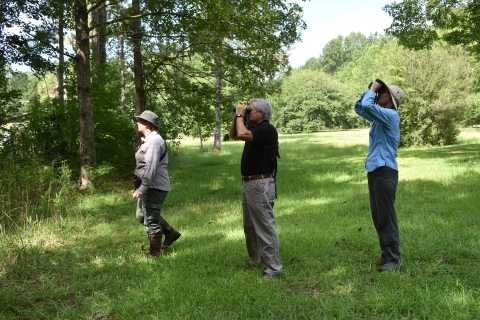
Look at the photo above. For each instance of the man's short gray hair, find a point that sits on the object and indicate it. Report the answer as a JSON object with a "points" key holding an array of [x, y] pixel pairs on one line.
{"points": [[263, 105]]}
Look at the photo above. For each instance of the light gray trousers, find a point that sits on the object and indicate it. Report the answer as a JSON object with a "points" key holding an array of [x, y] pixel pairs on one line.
{"points": [[263, 244]]}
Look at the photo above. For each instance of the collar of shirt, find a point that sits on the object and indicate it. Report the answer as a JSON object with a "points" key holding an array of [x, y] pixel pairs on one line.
{"points": [[145, 139]]}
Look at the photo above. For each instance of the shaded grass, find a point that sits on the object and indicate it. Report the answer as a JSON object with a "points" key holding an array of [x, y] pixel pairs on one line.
{"points": [[86, 263]]}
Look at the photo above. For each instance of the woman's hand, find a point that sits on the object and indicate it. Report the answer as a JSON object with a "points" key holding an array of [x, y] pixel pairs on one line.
{"points": [[375, 86], [137, 194]]}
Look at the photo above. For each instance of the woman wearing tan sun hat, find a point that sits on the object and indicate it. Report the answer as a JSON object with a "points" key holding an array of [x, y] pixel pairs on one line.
{"points": [[379, 104]]}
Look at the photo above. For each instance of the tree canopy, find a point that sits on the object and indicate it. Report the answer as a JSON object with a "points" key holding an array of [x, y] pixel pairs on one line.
{"points": [[185, 60], [190, 61], [436, 84], [312, 101], [419, 23], [339, 51]]}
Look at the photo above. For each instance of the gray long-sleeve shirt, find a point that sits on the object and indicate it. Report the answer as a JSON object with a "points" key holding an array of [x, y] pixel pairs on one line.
{"points": [[154, 174]]}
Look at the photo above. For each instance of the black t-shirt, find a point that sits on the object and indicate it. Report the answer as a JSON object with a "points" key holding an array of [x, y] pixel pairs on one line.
{"points": [[259, 155]]}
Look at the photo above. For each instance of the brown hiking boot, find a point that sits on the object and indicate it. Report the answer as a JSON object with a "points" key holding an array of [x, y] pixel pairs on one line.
{"points": [[170, 237], [155, 241], [171, 234]]}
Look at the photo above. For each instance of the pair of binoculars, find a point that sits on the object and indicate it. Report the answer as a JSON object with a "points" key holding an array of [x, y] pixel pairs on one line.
{"points": [[247, 110], [383, 87]]}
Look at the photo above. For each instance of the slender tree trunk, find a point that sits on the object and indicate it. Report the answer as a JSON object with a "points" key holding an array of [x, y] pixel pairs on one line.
{"points": [[122, 74], [99, 19], [61, 57], [2, 6], [200, 135], [139, 76], [84, 90], [218, 111]]}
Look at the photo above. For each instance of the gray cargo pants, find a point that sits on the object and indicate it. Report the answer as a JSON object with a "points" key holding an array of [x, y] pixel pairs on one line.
{"points": [[263, 244], [148, 209]]}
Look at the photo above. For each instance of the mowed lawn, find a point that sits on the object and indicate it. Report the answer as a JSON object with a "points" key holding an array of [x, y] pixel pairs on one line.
{"points": [[85, 262]]}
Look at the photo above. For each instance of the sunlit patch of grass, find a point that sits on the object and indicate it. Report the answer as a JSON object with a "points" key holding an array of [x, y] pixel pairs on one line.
{"points": [[469, 135]]}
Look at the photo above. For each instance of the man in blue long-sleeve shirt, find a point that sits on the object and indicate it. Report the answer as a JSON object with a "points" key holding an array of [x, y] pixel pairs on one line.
{"points": [[379, 104]]}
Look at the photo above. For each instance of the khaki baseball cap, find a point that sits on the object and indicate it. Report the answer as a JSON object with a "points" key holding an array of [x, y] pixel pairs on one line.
{"points": [[397, 96]]}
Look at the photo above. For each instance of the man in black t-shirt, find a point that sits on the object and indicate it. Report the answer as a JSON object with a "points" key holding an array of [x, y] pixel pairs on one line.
{"points": [[258, 167]]}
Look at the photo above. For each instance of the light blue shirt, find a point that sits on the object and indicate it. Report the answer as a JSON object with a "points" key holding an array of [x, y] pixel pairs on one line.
{"points": [[384, 133]]}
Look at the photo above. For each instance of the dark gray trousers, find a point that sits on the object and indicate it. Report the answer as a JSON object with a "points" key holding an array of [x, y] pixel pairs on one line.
{"points": [[148, 209], [382, 186]]}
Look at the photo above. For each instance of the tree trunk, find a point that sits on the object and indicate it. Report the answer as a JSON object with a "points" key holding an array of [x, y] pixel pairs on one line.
{"points": [[61, 57], [99, 19], [200, 135], [122, 74], [84, 91], [140, 97], [218, 112]]}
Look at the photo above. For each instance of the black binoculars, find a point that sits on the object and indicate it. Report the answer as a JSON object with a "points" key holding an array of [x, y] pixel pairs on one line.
{"points": [[383, 87], [247, 110], [137, 182]]}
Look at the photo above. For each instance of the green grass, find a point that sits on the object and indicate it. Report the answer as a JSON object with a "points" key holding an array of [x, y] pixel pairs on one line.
{"points": [[85, 261]]}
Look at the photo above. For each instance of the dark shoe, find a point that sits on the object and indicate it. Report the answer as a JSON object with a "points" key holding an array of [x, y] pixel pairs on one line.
{"points": [[252, 264], [155, 241], [271, 275], [391, 266], [381, 262], [171, 234], [170, 237]]}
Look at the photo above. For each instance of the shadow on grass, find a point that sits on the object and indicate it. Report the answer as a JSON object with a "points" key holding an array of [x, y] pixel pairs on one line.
{"points": [[454, 154]]}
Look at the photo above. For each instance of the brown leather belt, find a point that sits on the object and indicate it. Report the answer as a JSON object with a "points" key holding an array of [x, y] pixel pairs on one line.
{"points": [[260, 176]]}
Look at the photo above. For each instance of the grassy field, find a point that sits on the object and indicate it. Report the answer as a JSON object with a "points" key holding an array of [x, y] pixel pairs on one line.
{"points": [[85, 262]]}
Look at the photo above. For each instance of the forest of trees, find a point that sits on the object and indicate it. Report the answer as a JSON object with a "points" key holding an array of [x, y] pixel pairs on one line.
{"points": [[95, 64], [185, 60]]}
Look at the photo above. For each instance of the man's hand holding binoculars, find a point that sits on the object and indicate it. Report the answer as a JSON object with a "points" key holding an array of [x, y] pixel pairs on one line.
{"points": [[242, 109]]}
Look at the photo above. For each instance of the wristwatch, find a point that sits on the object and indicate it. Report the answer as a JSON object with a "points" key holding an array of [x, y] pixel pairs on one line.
{"points": [[239, 115]]}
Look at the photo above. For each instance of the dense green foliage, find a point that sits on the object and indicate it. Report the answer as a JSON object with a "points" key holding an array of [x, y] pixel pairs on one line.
{"points": [[184, 60], [199, 58], [437, 84], [341, 50], [312, 101], [47, 129], [419, 24], [7, 96], [80, 257]]}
